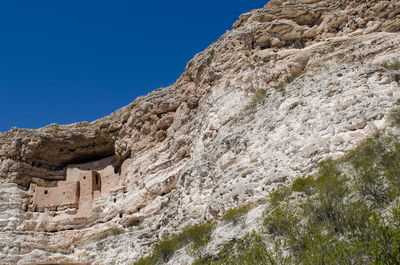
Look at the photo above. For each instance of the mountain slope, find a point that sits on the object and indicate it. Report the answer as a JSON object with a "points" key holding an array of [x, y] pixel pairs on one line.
{"points": [[292, 84]]}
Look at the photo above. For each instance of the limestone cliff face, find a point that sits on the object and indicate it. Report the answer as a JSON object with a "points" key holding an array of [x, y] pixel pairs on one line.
{"points": [[291, 84]]}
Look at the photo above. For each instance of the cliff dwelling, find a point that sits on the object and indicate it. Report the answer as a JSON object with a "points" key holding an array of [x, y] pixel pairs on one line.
{"points": [[84, 183]]}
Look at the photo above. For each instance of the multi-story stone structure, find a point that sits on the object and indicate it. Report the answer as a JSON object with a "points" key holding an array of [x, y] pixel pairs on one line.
{"points": [[84, 183]]}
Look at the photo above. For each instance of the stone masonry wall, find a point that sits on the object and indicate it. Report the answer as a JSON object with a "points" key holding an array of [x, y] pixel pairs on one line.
{"points": [[66, 194]]}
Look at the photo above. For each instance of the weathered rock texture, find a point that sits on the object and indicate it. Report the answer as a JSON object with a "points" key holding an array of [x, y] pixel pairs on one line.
{"points": [[212, 140]]}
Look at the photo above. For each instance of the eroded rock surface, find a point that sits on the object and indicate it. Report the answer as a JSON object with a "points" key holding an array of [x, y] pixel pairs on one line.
{"points": [[211, 140]]}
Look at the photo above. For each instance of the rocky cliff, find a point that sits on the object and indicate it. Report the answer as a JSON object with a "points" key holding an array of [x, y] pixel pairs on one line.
{"points": [[290, 85]]}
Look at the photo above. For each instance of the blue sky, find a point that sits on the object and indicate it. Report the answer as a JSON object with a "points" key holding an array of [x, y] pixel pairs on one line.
{"points": [[65, 61]]}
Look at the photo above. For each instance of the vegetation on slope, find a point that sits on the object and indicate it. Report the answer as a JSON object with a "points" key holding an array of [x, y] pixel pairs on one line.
{"points": [[248, 250], [349, 213], [234, 215], [196, 235], [394, 65], [103, 234], [261, 94]]}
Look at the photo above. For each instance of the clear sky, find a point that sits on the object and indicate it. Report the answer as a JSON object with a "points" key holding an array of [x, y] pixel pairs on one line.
{"points": [[65, 61]]}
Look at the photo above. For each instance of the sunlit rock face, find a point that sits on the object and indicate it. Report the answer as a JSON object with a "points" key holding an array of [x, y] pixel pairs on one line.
{"points": [[291, 84]]}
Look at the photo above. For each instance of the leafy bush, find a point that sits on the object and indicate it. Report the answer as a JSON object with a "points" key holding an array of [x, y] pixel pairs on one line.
{"points": [[365, 160], [249, 250], [106, 233], [395, 116], [235, 214], [132, 222], [280, 221], [198, 235], [279, 195], [341, 221], [331, 190], [384, 241], [261, 93], [293, 76], [289, 79], [304, 184], [394, 65], [257, 99]]}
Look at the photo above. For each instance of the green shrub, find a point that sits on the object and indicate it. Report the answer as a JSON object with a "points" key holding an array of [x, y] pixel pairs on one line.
{"points": [[320, 248], [281, 221], [384, 244], [105, 234], [293, 76], [258, 97], [249, 250], [289, 79], [340, 220], [280, 87], [304, 184], [132, 222], [235, 214], [198, 235], [370, 182], [355, 218], [331, 189], [260, 94], [394, 65], [278, 195], [376, 162], [205, 155], [395, 116]]}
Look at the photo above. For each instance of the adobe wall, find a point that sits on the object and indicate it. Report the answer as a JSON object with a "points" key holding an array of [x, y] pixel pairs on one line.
{"points": [[74, 170], [87, 192], [109, 179], [66, 194], [84, 183]]}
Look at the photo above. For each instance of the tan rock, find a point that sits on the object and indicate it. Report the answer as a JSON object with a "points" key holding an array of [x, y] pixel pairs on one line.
{"points": [[234, 126]]}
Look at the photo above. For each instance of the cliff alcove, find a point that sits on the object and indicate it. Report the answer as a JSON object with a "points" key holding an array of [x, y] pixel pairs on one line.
{"points": [[291, 85]]}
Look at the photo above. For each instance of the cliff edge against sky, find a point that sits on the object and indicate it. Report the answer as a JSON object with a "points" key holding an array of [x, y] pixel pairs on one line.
{"points": [[292, 84]]}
